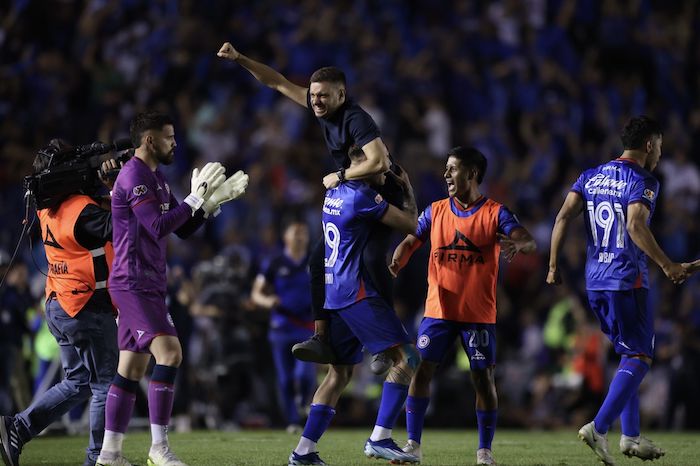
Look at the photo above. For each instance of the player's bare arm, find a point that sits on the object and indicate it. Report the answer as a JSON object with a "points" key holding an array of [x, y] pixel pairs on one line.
{"points": [[403, 253], [573, 206], [638, 229], [377, 162], [266, 75], [692, 267], [405, 220], [261, 294], [520, 240]]}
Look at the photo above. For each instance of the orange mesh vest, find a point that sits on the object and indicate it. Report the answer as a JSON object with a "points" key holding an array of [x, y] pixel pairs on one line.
{"points": [[74, 272], [463, 264]]}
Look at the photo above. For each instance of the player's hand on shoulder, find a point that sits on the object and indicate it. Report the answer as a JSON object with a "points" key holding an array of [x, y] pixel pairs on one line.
{"points": [[228, 51], [331, 180], [553, 277]]}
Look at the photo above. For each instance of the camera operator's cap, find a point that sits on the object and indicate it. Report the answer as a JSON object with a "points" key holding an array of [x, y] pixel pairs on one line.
{"points": [[4, 258]]}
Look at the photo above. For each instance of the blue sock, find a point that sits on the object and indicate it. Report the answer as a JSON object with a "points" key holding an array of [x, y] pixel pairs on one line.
{"points": [[630, 374], [629, 418], [393, 397], [415, 416], [319, 419], [486, 421]]}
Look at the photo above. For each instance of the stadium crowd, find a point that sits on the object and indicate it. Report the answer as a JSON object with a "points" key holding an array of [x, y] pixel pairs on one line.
{"points": [[541, 87]]}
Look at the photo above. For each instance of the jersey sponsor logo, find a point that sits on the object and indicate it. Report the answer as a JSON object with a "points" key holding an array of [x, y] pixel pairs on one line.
{"points": [[164, 207], [605, 185], [140, 190], [605, 257], [649, 195], [462, 244], [478, 356], [50, 239], [59, 268], [140, 334], [378, 199], [423, 341], [331, 205]]}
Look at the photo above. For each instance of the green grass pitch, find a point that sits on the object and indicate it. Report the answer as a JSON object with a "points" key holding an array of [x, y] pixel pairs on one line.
{"points": [[344, 447]]}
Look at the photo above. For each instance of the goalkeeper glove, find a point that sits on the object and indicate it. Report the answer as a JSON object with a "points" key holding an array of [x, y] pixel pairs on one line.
{"points": [[204, 183], [231, 189]]}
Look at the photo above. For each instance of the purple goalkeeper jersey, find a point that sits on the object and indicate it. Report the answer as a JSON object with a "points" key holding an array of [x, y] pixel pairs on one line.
{"points": [[614, 262], [144, 212]]}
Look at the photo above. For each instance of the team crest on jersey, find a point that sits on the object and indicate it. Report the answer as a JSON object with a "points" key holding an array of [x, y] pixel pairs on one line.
{"points": [[140, 190], [423, 341], [649, 195], [378, 198]]}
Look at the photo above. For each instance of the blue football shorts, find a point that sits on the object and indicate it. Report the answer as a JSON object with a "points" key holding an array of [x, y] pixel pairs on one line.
{"points": [[370, 323], [626, 319], [436, 337]]}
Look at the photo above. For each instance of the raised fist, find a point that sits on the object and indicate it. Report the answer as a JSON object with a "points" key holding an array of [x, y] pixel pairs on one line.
{"points": [[227, 51]]}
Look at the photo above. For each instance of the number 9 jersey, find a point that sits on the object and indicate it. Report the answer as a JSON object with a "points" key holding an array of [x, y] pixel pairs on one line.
{"points": [[613, 261], [350, 211]]}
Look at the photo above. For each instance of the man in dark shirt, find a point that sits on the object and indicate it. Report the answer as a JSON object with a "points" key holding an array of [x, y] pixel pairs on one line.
{"points": [[344, 124], [77, 235]]}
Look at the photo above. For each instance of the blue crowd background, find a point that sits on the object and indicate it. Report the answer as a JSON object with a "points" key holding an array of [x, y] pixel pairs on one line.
{"points": [[542, 87]]}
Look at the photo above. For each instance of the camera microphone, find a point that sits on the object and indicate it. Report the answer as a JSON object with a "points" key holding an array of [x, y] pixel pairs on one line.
{"points": [[98, 148]]}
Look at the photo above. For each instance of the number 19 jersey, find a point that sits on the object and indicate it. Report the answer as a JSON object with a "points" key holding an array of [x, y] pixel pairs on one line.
{"points": [[613, 261], [349, 213]]}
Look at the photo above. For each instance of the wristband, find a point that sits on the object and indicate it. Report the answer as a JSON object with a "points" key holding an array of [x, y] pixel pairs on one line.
{"points": [[341, 175]]}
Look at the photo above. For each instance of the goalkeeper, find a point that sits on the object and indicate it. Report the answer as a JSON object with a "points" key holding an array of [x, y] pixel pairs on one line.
{"points": [[144, 212]]}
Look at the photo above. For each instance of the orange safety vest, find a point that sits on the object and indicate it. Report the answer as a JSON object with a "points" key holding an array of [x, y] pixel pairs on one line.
{"points": [[463, 264], [74, 272]]}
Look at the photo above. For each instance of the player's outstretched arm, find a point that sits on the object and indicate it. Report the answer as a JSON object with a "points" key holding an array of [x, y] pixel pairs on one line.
{"points": [[520, 240], [572, 207], [638, 229], [403, 253], [266, 75]]}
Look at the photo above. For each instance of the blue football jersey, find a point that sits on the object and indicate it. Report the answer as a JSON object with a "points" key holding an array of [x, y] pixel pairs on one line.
{"points": [[613, 261], [291, 282], [349, 212]]}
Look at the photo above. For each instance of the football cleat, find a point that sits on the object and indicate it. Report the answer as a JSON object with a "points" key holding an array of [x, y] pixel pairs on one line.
{"points": [[380, 363], [10, 444], [160, 454], [412, 447], [597, 442], [315, 349], [388, 449], [641, 447], [307, 459], [108, 458], [485, 456]]}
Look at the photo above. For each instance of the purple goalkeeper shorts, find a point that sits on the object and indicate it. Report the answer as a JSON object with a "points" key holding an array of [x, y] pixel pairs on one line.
{"points": [[142, 317]]}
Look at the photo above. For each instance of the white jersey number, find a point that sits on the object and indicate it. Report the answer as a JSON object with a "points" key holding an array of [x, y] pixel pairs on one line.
{"points": [[332, 236], [605, 215]]}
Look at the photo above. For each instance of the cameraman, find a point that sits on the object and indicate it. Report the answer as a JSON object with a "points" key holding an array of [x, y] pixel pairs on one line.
{"points": [[77, 235]]}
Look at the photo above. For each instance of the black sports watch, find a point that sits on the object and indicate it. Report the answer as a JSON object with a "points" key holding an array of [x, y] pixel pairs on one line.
{"points": [[341, 175]]}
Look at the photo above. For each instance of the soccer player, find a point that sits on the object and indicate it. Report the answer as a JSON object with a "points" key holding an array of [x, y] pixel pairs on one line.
{"points": [[344, 124], [617, 199], [359, 315], [467, 232], [144, 212], [77, 232], [283, 287]]}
